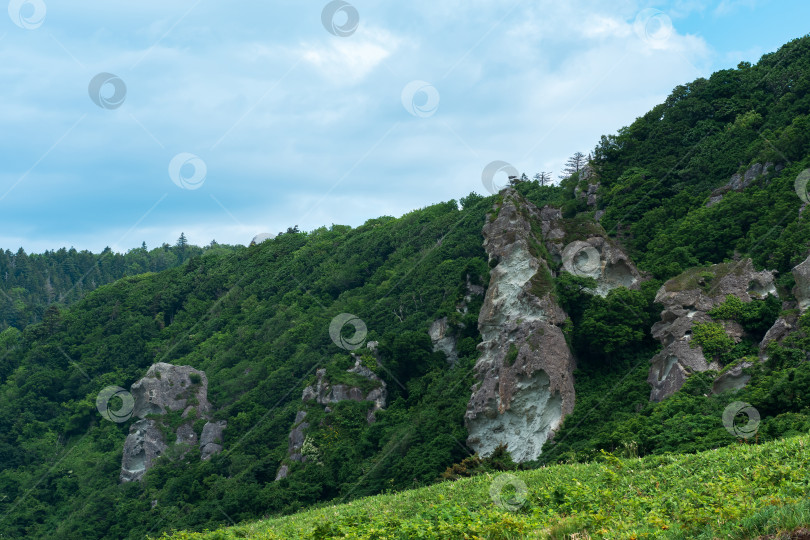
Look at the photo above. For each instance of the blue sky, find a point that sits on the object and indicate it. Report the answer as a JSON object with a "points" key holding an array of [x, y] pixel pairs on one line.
{"points": [[232, 120]]}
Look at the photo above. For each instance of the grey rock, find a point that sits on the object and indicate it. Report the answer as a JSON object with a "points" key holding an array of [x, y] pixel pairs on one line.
{"points": [[185, 435], [211, 438], [525, 371], [598, 256], [801, 274], [283, 471], [738, 182], [443, 340], [168, 388], [143, 445], [325, 394], [686, 299], [776, 333], [733, 379]]}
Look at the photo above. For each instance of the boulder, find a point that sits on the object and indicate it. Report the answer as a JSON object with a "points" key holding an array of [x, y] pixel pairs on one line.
{"points": [[144, 444], [169, 388], [584, 249], [443, 340], [740, 181], [732, 379], [324, 393], [211, 438]]}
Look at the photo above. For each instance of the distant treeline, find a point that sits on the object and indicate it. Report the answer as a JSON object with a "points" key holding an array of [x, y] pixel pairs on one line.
{"points": [[29, 283]]}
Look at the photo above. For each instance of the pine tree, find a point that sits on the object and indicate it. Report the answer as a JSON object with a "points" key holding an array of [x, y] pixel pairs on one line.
{"points": [[543, 178], [574, 164]]}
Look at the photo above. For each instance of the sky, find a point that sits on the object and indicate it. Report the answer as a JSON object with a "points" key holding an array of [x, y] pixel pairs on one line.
{"points": [[131, 122]]}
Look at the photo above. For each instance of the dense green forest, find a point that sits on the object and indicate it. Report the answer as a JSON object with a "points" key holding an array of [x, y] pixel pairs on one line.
{"points": [[29, 283], [257, 320]]}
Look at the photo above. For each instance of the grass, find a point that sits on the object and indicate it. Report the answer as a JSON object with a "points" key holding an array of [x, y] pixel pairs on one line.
{"points": [[741, 491]]}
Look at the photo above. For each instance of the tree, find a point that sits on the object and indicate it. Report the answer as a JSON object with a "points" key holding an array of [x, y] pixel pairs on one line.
{"points": [[182, 242], [574, 164], [543, 178]]}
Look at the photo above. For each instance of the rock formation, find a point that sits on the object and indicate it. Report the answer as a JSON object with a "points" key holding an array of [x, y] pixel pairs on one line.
{"points": [[324, 393], [801, 274], [584, 249], [168, 388], [443, 340], [525, 384], [686, 299], [739, 182], [442, 334]]}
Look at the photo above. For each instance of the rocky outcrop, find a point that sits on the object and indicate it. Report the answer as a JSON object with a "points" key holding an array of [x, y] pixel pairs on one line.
{"points": [[738, 182], [211, 438], [443, 340], [443, 335], [732, 379], [142, 447], [584, 249], [324, 393], [525, 384], [171, 388], [168, 388], [801, 274], [687, 298]]}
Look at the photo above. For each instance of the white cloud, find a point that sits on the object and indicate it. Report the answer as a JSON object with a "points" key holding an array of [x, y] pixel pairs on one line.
{"points": [[348, 61]]}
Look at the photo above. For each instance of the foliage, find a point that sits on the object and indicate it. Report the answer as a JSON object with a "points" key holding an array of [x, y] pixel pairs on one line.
{"points": [[712, 338], [31, 283], [741, 491]]}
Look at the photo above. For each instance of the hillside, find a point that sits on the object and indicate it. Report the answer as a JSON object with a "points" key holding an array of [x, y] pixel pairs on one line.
{"points": [[623, 311], [736, 492], [29, 283]]}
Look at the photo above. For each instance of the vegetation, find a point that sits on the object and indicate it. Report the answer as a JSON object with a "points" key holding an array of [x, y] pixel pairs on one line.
{"points": [[737, 492], [31, 283]]}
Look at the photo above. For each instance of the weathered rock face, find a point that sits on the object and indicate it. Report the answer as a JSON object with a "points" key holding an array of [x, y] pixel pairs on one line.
{"points": [[168, 388], [526, 386], [444, 336], [597, 256], [732, 379], [324, 393], [738, 182], [801, 273], [143, 446], [686, 299], [211, 438], [443, 340]]}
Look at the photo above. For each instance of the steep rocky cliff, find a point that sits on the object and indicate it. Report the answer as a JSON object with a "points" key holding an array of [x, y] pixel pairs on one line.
{"points": [[526, 386], [687, 298], [168, 389]]}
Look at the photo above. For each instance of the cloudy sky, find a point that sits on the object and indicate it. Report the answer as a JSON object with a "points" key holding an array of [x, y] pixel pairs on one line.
{"points": [[125, 122]]}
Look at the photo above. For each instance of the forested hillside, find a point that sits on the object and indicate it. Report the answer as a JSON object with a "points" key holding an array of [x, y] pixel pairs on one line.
{"points": [[29, 283], [257, 322]]}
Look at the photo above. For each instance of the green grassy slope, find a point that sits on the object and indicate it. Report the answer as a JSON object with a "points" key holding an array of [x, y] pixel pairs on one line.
{"points": [[741, 491]]}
